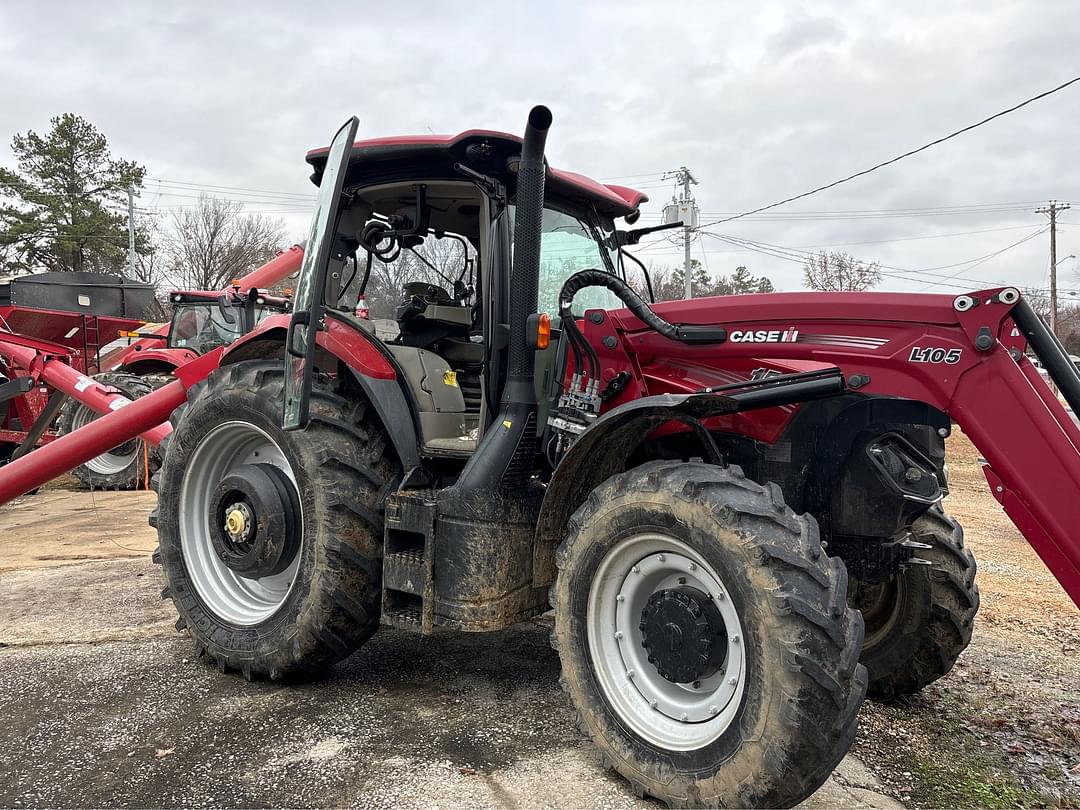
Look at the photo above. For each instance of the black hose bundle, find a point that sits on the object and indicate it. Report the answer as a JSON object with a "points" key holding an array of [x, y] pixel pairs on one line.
{"points": [[634, 302], [371, 237]]}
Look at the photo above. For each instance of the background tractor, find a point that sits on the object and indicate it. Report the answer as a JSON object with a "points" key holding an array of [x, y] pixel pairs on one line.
{"points": [[733, 505]]}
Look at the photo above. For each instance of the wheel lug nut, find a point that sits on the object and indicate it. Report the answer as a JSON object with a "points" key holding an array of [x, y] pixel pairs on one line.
{"points": [[684, 717], [630, 674], [733, 681], [661, 557], [620, 598], [635, 570], [734, 639], [714, 710], [652, 702], [618, 634], [697, 684], [693, 566], [719, 597]]}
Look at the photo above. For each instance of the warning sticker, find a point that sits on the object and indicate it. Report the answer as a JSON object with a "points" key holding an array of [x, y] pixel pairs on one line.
{"points": [[83, 383]]}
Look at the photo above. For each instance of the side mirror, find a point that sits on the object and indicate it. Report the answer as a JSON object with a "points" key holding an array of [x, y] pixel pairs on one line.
{"points": [[225, 308], [296, 342], [634, 236]]}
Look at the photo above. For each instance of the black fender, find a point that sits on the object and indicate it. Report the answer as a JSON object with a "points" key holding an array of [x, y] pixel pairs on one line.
{"points": [[620, 431]]}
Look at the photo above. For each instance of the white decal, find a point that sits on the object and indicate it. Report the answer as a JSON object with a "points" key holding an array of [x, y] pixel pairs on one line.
{"points": [[83, 384], [935, 355], [789, 335]]}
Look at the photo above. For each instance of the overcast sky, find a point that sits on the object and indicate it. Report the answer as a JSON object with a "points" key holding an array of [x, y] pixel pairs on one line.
{"points": [[761, 100]]}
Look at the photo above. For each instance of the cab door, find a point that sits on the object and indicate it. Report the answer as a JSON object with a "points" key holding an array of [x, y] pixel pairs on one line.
{"points": [[309, 303]]}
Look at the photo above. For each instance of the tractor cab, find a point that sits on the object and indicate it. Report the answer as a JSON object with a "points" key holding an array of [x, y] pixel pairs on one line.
{"points": [[425, 237], [203, 321]]}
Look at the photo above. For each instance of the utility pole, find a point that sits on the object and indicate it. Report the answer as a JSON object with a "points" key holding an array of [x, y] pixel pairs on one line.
{"points": [[131, 232], [1052, 210], [685, 209]]}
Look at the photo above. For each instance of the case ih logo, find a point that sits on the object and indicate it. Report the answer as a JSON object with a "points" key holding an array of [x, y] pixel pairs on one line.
{"points": [[789, 335]]}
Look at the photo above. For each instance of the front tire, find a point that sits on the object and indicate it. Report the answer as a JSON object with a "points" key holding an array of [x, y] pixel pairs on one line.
{"points": [[690, 551], [316, 601], [920, 620]]}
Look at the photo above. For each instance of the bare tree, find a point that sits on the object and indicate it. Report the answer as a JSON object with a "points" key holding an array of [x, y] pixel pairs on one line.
{"points": [[436, 261], [216, 242], [839, 272]]}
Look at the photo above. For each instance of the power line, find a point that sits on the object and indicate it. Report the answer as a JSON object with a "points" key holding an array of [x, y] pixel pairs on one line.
{"points": [[909, 153], [798, 256], [261, 191]]}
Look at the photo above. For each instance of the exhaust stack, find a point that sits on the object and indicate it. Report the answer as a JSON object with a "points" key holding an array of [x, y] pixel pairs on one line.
{"points": [[505, 456]]}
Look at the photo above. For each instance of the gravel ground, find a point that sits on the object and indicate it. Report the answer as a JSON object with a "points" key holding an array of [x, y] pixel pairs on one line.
{"points": [[103, 704]]}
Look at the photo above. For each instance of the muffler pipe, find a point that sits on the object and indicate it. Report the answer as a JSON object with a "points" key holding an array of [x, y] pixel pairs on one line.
{"points": [[504, 458]]}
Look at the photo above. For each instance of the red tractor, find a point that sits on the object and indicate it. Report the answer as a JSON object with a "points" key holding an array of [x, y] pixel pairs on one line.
{"points": [[202, 320], [733, 505]]}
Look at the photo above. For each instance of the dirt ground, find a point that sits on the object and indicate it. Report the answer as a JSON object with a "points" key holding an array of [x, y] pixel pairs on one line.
{"points": [[102, 703]]}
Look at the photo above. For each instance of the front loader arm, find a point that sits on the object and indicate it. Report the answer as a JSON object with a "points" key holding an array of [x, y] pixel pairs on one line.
{"points": [[963, 355]]}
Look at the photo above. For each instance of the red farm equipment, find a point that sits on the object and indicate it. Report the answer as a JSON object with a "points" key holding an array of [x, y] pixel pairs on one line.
{"points": [[73, 315], [733, 505], [201, 321]]}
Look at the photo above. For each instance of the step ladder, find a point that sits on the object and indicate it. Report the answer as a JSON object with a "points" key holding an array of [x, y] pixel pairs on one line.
{"points": [[91, 335], [408, 584]]}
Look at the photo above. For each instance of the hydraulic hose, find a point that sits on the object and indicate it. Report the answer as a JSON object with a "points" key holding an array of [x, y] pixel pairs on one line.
{"points": [[644, 272], [634, 302]]}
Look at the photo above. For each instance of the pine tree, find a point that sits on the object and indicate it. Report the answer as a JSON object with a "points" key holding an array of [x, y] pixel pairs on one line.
{"points": [[65, 206]]}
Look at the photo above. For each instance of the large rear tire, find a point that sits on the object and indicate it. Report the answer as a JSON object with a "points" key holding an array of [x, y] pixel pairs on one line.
{"points": [[316, 601], [126, 466], [705, 638], [920, 620]]}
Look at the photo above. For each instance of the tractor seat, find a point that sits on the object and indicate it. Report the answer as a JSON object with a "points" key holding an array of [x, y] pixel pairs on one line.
{"points": [[428, 314]]}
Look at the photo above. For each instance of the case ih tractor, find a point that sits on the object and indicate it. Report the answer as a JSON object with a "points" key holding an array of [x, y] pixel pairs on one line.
{"points": [[733, 505], [202, 320]]}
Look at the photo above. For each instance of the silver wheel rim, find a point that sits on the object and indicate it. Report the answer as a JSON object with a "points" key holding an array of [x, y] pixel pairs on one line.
{"points": [[111, 462], [675, 717], [238, 600]]}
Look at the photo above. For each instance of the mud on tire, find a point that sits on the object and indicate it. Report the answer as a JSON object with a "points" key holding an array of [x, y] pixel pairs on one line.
{"points": [[344, 468], [125, 466], [797, 714], [919, 622]]}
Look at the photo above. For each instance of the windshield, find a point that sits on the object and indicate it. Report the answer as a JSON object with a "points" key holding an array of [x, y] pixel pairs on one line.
{"points": [[202, 327], [569, 244]]}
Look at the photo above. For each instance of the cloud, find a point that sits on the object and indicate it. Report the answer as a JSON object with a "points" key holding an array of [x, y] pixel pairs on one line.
{"points": [[762, 101]]}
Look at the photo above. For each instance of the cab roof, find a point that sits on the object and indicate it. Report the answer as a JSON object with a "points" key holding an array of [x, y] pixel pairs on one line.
{"points": [[404, 157]]}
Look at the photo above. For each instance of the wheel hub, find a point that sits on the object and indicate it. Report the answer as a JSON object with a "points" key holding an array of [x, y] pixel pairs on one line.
{"points": [[254, 520], [683, 633]]}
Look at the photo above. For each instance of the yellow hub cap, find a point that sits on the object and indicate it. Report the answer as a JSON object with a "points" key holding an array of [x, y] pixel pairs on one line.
{"points": [[235, 523]]}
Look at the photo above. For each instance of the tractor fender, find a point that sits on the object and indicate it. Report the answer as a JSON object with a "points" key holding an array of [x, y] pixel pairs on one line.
{"points": [[153, 361], [601, 452], [371, 367]]}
